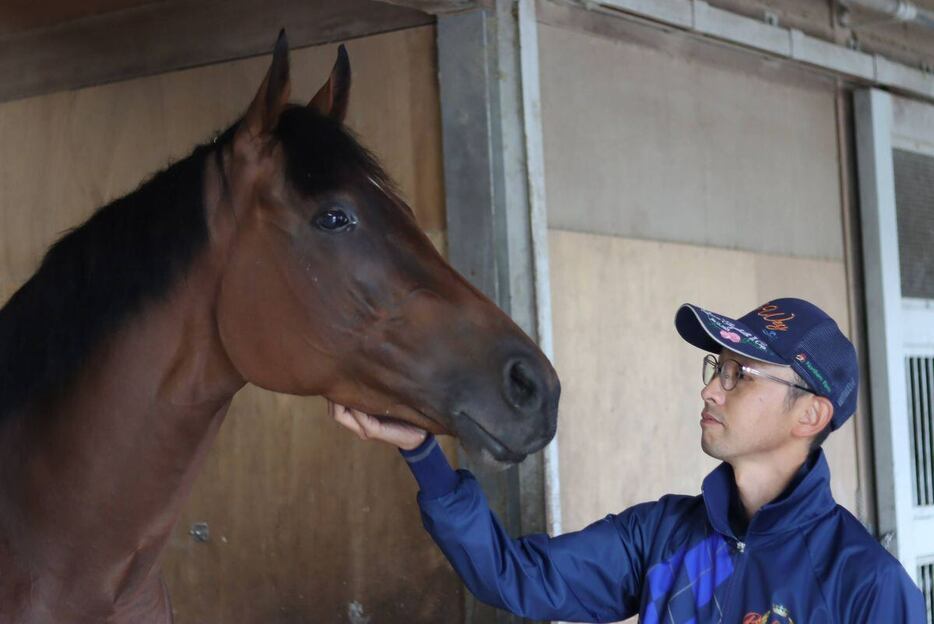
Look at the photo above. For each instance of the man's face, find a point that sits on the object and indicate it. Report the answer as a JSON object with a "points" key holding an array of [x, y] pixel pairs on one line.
{"points": [[750, 419]]}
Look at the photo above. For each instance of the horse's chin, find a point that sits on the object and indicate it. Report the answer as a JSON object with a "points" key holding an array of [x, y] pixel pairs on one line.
{"points": [[482, 447], [482, 458], [412, 416], [484, 461], [486, 452]]}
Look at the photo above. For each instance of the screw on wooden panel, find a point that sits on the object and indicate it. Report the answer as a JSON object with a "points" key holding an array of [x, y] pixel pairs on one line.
{"points": [[844, 17], [200, 532], [771, 18]]}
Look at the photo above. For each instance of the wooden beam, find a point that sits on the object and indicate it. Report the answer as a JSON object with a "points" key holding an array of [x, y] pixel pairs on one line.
{"points": [[165, 36], [440, 7]]}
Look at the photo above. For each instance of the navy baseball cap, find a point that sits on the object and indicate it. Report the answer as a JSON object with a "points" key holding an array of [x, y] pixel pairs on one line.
{"points": [[787, 332]]}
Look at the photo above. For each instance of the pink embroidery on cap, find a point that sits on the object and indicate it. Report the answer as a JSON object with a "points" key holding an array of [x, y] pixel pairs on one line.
{"points": [[731, 336]]}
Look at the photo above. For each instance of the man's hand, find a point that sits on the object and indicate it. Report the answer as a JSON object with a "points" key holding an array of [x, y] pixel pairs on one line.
{"points": [[403, 435]]}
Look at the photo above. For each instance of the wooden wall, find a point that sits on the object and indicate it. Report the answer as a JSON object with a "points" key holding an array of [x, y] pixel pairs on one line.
{"points": [[307, 524], [641, 390]]}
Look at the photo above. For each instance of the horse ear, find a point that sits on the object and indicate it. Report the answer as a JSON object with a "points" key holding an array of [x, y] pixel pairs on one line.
{"points": [[331, 99], [273, 93]]}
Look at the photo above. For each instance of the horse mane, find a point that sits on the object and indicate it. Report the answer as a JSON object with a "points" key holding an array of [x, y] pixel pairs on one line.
{"points": [[97, 276], [131, 252]]}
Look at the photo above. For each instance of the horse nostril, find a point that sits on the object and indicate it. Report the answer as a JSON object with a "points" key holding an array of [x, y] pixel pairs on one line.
{"points": [[522, 388]]}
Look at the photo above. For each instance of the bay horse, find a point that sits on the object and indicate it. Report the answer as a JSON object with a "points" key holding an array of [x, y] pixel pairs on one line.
{"points": [[278, 254]]}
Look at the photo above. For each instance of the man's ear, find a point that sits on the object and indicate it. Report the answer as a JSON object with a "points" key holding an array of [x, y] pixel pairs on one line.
{"points": [[814, 418]]}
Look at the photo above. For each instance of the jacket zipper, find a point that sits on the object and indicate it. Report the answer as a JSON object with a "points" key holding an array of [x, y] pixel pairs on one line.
{"points": [[736, 581]]}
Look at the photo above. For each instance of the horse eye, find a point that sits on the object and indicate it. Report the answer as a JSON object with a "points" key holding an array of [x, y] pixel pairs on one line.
{"points": [[335, 220]]}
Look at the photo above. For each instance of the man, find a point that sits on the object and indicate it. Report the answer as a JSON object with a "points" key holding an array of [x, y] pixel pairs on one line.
{"points": [[764, 542]]}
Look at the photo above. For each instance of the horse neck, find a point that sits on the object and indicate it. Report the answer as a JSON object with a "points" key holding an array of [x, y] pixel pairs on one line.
{"points": [[123, 446]]}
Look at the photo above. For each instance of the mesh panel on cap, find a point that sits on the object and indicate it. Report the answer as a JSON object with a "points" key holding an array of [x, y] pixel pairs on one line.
{"points": [[830, 367]]}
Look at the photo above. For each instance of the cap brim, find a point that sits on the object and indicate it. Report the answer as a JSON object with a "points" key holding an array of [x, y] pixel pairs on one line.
{"points": [[711, 332]]}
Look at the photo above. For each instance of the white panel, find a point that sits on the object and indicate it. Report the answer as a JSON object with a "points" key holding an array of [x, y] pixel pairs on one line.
{"points": [[908, 78], [676, 12], [896, 329], [538, 223], [743, 30], [825, 54], [916, 314]]}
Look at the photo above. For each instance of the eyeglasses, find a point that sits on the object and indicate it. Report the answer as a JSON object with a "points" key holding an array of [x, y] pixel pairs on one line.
{"points": [[731, 371]]}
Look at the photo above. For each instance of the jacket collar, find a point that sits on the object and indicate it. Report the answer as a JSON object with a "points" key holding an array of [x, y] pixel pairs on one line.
{"points": [[806, 499]]}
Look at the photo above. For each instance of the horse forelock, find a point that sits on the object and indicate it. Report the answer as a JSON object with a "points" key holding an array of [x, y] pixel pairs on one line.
{"points": [[322, 154]]}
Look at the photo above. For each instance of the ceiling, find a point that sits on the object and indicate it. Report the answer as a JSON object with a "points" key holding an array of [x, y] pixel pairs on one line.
{"points": [[23, 15]]}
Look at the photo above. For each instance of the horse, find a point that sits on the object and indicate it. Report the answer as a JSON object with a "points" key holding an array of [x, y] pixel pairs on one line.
{"points": [[278, 254]]}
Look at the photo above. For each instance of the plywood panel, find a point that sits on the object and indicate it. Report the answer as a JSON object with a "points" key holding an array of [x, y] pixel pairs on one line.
{"points": [[307, 524], [628, 427], [671, 139]]}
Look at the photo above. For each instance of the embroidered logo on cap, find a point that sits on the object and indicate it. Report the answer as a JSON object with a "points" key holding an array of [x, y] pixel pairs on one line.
{"points": [[731, 336], [818, 376], [736, 333], [776, 318]]}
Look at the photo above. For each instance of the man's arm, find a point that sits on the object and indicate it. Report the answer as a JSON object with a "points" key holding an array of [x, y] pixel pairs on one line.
{"points": [[591, 575], [890, 597]]}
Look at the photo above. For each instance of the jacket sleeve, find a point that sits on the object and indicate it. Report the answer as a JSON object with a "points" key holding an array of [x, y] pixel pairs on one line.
{"points": [[592, 575], [890, 597]]}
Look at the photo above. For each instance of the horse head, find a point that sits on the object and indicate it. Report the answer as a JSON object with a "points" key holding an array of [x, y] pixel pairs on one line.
{"points": [[331, 288]]}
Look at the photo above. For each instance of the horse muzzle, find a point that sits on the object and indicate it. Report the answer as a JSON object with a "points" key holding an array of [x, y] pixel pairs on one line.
{"points": [[521, 420]]}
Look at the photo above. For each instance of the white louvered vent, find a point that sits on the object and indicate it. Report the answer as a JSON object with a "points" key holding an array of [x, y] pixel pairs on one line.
{"points": [[920, 376], [926, 582]]}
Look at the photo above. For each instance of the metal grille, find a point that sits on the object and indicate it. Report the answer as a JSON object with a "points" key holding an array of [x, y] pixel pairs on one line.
{"points": [[926, 583], [920, 374], [914, 205]]}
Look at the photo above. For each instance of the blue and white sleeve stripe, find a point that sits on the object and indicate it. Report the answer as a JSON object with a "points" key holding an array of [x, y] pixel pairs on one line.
{"points": [[432, 471]]}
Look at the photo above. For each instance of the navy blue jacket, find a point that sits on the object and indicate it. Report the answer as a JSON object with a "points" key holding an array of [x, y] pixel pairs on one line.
{"points": [[801, 559]]}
